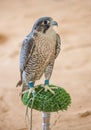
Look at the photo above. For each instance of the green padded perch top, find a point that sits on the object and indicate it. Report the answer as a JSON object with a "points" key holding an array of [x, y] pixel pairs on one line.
{"points": [[46, 101]]}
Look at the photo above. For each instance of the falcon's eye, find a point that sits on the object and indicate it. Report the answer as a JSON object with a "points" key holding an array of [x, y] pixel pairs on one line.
{"points": [[46, 22]]}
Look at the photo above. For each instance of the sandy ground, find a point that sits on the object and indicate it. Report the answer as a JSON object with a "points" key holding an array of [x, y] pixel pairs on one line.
{"points": [[72, 68]]}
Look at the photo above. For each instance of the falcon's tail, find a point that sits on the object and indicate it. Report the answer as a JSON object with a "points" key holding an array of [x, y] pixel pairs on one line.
{"points": [[19, 83]]}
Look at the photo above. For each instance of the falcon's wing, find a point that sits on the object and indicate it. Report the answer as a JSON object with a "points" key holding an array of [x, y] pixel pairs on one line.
{"points": [[26, 51], [58, 45]]}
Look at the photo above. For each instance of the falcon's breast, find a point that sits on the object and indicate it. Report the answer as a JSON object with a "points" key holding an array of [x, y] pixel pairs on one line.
{"points": [[43, 54]]}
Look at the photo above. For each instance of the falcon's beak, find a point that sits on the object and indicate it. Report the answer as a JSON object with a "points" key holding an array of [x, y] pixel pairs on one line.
{"points": [[54, 23]]}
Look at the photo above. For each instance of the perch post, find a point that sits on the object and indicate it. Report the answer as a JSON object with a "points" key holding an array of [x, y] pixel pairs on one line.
{"points": [[46, 121]]}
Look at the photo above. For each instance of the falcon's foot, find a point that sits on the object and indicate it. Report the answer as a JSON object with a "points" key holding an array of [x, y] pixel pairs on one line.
{"points": [[31, 90], [47, 88]]}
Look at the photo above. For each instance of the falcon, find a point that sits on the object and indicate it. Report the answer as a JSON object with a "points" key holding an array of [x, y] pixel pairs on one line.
{"points": [[38, 53]]}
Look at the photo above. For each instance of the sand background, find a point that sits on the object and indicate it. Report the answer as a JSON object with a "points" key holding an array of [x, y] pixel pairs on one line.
{"points": [[72, 68]]}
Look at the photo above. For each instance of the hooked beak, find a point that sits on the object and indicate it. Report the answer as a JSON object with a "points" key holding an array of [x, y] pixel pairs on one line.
{"points": [[54, 23]]}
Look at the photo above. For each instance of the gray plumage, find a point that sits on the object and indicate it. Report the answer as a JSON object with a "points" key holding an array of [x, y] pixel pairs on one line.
{"points": [[39, 51]]}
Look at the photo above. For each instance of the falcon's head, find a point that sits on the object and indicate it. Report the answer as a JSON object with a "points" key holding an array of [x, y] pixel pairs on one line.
{"points": [[44, 23]]}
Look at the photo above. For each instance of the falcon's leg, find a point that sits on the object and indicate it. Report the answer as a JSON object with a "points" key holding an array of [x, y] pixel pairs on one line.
{"points": [[31, 88], [48, 73]]}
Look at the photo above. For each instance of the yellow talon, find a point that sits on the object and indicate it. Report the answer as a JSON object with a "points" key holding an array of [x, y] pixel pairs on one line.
{"points": [[31, 90], [48, 88]]}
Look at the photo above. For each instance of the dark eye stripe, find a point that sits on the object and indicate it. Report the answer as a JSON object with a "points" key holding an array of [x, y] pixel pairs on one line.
{"points": [[46, 28]]}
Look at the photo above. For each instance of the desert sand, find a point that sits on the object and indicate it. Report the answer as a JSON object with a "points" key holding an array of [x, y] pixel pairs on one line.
{"points": [[72, 69]]}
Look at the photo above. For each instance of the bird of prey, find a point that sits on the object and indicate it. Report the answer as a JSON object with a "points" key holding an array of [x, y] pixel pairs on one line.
{"points": [[38, 53]]}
